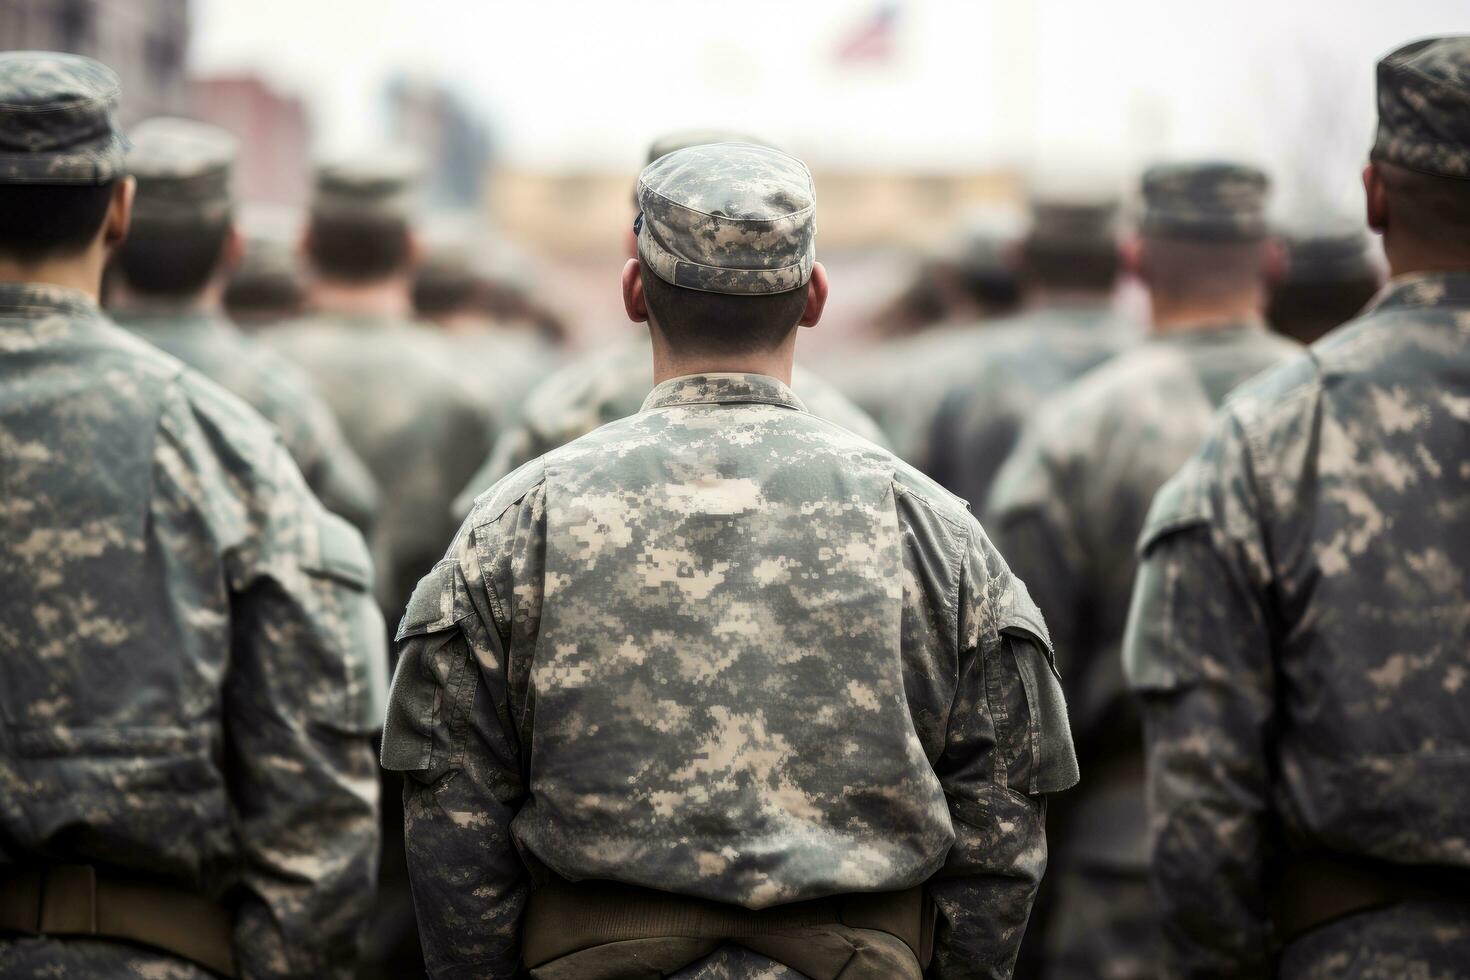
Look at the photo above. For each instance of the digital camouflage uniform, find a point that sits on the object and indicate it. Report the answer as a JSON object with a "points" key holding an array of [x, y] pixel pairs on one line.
{"points": [[182, 168], [403, 406], [187, 690], [727, 650], [1299, 630]]}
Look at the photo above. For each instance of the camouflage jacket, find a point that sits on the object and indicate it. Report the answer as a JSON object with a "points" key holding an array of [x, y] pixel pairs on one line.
{"points": [[1299, 633], [974, 426], [610, 384], [410, 415], [727, 649], [192, 660], [276, 388]]}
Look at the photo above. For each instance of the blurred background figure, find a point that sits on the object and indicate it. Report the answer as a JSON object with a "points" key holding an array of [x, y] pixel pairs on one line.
{"points": [[1328, 274], [1070, 502], [266, 286], [168, 276]]}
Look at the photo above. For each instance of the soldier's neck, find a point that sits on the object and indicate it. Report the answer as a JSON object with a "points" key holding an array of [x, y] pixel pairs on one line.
{"points": [[669, 363], [1182, 314], [1407, 256], [80, 272], [385, 297]]}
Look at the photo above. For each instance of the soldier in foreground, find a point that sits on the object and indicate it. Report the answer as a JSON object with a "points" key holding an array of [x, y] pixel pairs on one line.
{"points": [[1068, 507], [169, 274], [684, 688], [611, 382], [1329, 275], [190, 647], [1299, 630]]}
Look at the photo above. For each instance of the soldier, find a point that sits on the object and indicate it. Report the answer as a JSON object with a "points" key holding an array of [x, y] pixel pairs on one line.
{"points": [[1299, 630], [1069, 504], [724, 656], [1069, 270], [189, 678], [422, 443], [611, 382], [1329, 275], [265, 287], [169, 274]]}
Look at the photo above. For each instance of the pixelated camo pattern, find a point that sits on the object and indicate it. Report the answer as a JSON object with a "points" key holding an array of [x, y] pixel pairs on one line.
{"points": [[57, 122]]}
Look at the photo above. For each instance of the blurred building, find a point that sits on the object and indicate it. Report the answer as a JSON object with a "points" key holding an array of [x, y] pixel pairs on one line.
{"points": [[448, 136], [274, 131], [145, 41]]}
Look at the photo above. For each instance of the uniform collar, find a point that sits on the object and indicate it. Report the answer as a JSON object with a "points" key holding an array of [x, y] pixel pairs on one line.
{"points": [[1222, 331], [722, 389], [39, 297], [143, 321], [1423, 290]]}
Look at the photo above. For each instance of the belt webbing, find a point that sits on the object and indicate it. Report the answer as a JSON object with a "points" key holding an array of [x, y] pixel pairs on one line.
{"points": [[1318, 890], [69, 900]]}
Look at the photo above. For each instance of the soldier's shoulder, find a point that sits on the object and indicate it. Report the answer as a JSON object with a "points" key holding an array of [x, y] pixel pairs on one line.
{"points": [[583, 394], [915, 485], [509, 490]]}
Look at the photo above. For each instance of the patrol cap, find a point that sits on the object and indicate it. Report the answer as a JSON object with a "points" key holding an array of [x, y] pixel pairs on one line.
{"points": [[1330, 252], [183, 170], [380, 187], [58, 120], [733, 218], [1074, 223], [1224, 202], [1424, 107]]}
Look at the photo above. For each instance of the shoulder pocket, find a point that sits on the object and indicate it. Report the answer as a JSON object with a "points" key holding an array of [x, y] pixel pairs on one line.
{"points": [[1053, 759], [341, 553], [432, 677], [1178, 504], [342, 559]]}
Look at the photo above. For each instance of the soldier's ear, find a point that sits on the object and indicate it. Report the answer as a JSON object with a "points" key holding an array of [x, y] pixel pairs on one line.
{"points": [[119, 213], [633, 300], [1376, 195], [816, 296], [1274, 261], [234, 249], [1135, 261]]}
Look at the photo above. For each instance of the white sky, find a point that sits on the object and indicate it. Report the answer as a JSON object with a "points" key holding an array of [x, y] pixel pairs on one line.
{"points": [[1047, 84]]}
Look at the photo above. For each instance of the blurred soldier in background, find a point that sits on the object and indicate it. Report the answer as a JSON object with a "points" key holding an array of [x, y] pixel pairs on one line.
{"points": [[265, 287], [1069, 270], [169, 274], [412, 418], [611, 382], [1327, 278], [1070, 502], [724, 656], [1299, 631], [192, 660]]}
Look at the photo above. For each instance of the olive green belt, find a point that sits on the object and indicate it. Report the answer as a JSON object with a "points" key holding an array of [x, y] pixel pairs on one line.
{"points": [[1317, 890], [74, 900], [566, 917]]}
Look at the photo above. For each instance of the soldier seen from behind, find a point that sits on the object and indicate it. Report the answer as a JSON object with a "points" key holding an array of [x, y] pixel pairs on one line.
{"points": [[192, 661], [722, 689], [1328, 275], [168, 278], [1300, 635]]}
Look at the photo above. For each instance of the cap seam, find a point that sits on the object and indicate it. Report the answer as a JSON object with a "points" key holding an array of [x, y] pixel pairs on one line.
{"points": [[721, 217]]}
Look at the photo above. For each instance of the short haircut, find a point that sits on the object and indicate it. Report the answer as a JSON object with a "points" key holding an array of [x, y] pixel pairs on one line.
{"points": [[358, 249], [1429, 207], [1074, 266], [717, 323], [1308, 308], [171, 258], [439, 292], [1203, 270], [43, 221]]}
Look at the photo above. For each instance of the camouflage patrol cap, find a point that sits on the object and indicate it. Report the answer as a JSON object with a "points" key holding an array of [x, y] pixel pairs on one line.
{"points": [[58, 120], [1424, 107], [1074, 222], [1205, 201], [378, 187], [183, 170], [733, 218]]}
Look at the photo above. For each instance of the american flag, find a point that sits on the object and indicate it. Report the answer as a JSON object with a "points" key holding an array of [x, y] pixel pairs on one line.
{"points": [[873, 38]]}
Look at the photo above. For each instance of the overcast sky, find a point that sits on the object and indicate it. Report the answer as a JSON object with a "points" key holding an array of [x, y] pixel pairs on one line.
{"points": [[1044, 84]]}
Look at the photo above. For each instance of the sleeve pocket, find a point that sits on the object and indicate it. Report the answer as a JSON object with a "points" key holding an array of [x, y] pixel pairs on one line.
{"points": [[1053, 758], [342, 561], [424, 715]]}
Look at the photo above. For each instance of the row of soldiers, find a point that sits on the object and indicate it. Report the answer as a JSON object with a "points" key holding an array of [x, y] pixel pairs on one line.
{"points": [[709, 683]]}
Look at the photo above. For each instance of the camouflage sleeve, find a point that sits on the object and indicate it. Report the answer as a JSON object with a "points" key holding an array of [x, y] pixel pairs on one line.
{"points": [[301, 698], [1008, 745], [450, 730], [1198, 652]]}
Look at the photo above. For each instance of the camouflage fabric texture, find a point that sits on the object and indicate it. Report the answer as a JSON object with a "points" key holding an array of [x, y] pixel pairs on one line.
{"points": [[278, 390], [194, 665], [1423, 105], [1067, 509], [183, 170], [1298, 637], [420, 445], [728, 218], [1204, 201], [726, 649], [609, 384], [58, 120]]}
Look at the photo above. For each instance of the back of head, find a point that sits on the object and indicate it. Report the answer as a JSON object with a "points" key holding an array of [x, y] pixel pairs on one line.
{"points": [[1422, 149], [1204, 231], [1072, 246], [727, 240], [182, 210], [60, 153], [1328, 276], [361, 219], [266, 286]]}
